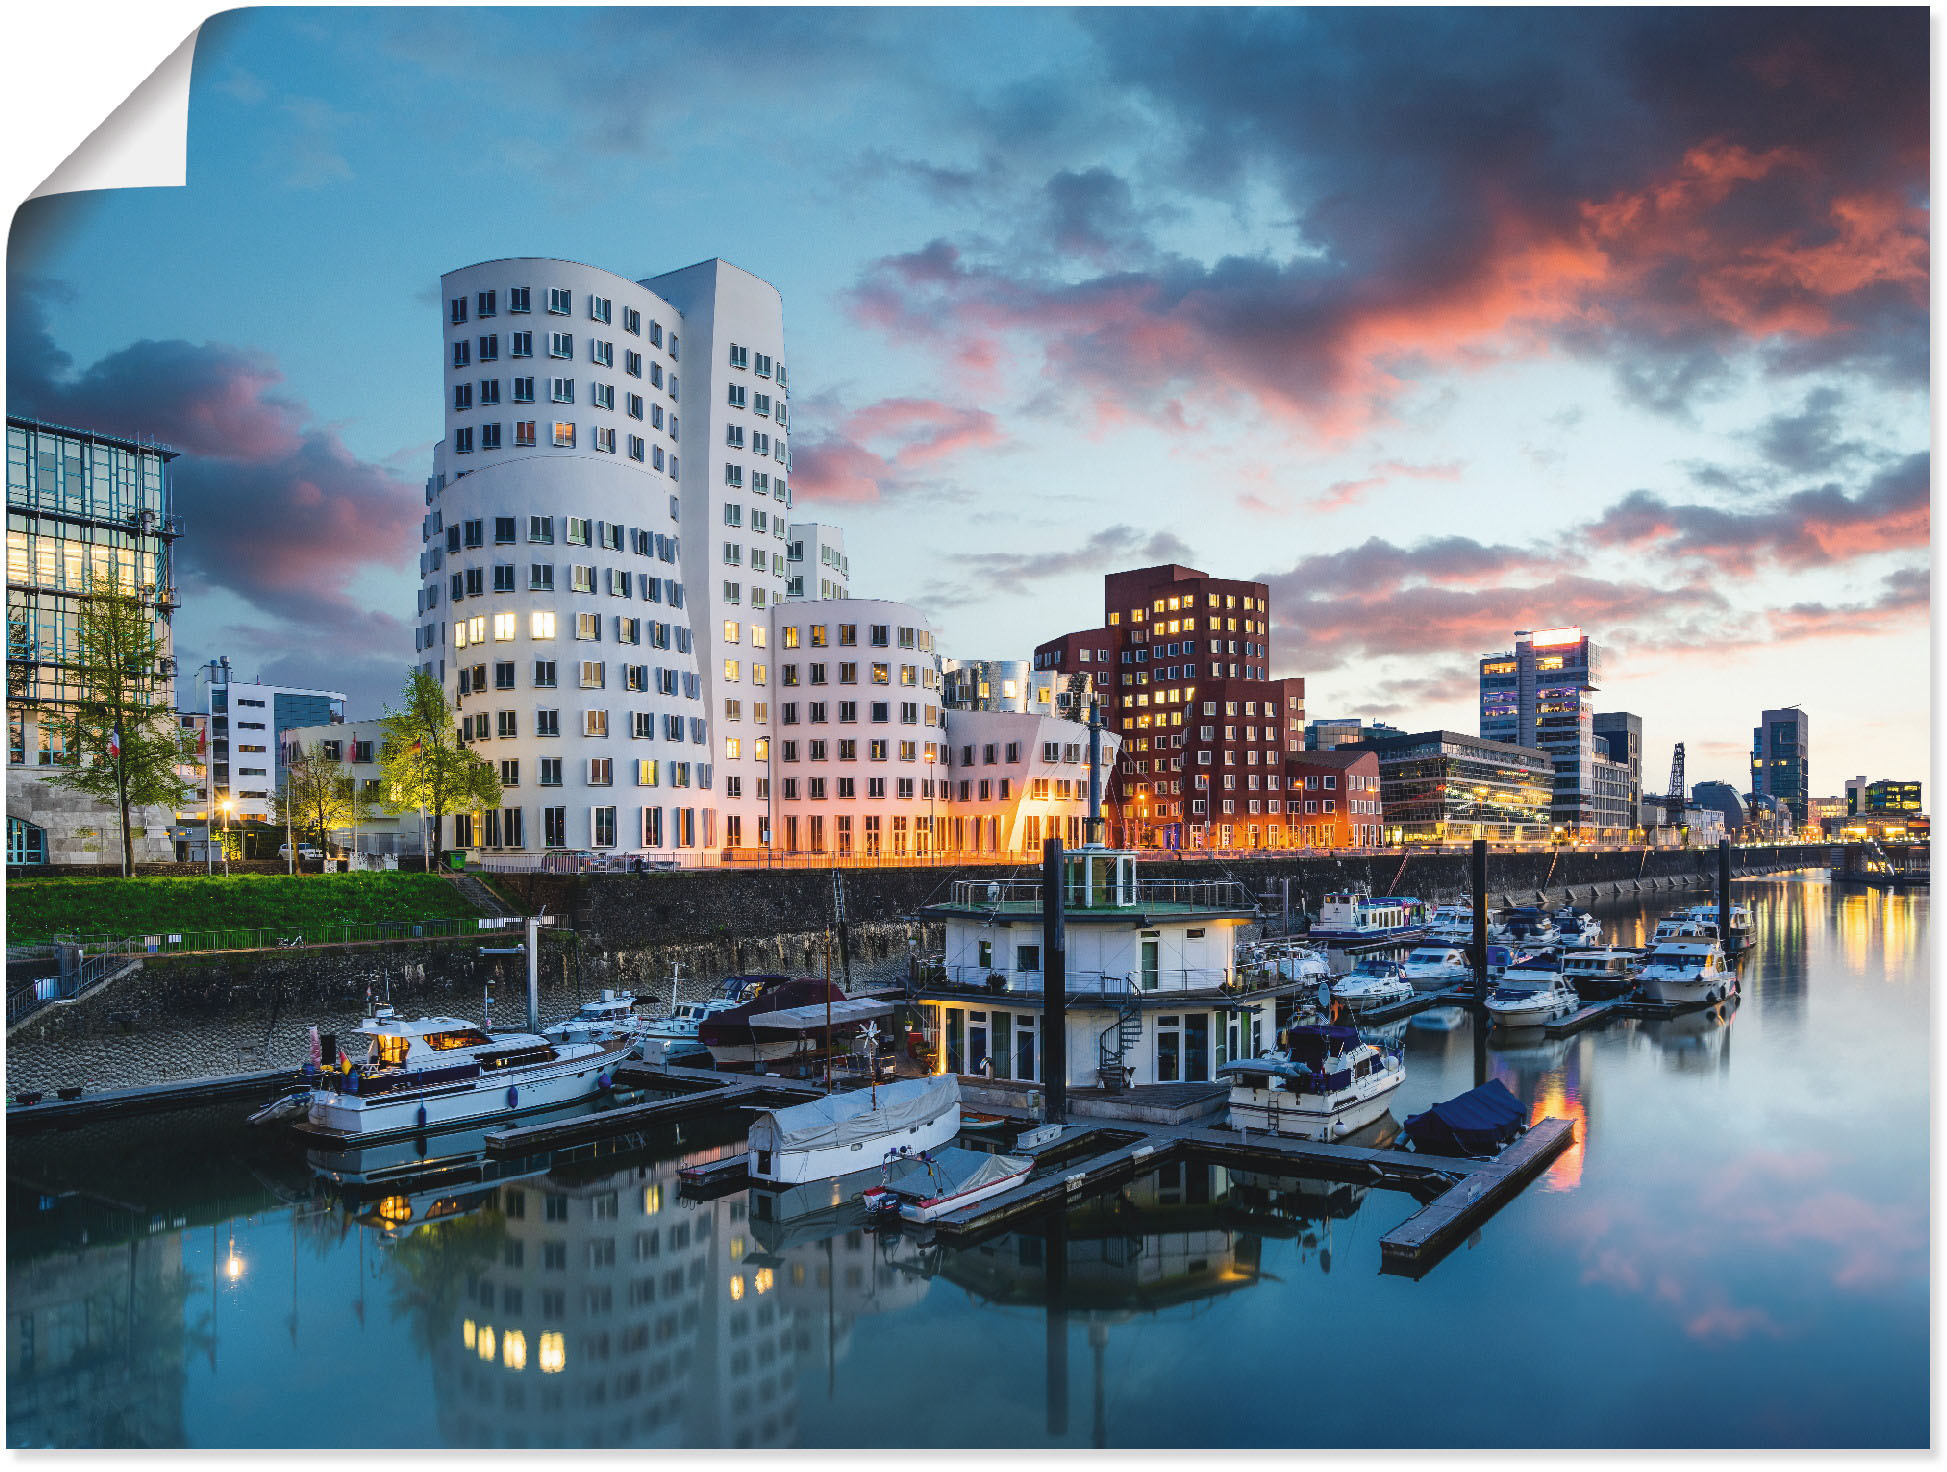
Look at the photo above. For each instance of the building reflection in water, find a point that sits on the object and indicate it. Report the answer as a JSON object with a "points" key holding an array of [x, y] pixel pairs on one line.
{"points": [[1552, 1075]]}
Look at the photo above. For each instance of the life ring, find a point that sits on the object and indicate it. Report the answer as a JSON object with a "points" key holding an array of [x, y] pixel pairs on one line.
{"points": [[513, 1095], [604, 1081]]}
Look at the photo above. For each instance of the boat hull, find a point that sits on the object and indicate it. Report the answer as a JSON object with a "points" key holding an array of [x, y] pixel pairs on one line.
{"points": [[1324, 1117], [1682, 990], [502, 1096], [1438, 978], [932, 1209], [799, 1167], [1529, 1014], [1375, 936]]}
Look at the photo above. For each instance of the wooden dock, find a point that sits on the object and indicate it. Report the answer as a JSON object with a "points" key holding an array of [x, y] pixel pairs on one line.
{"points": [[730, 1093], [1425, 1237], [181, 1094]]}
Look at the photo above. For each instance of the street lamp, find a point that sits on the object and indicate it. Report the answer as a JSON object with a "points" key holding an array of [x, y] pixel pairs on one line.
{"points": [[227, 804]]}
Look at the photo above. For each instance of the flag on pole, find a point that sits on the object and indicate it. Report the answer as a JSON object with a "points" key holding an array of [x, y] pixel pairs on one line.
{"points": [[417, 747], [114, 743], [202, 739]]}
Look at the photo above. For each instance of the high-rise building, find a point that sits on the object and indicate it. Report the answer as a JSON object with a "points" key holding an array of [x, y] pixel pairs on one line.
{"points": [[1183, 661], [1621, 733], [80, 506], [1447, 787], [816, 562], [1781, 758], [247, 721], [1893, 797], [1541, 694]]}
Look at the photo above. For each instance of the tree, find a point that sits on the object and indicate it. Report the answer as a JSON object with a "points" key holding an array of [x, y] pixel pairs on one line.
{"points": [[120, 734], [422, 764], [319, 796]]}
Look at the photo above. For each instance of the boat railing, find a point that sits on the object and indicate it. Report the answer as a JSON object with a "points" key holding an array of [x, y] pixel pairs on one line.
{"points": [[1025, 894], [986, 981]]}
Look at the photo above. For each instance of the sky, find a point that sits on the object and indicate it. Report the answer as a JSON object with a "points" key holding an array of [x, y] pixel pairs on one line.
{"points": [[1445, 324]]}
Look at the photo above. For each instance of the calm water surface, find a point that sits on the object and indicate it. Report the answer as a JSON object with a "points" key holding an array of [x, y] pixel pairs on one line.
{"points": [[1736, 1254]]}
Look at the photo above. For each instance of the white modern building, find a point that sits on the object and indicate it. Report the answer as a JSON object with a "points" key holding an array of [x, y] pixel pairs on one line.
{"points": [[246, 722], [988, 684], [655, 692], [354, 746], [816, 564]]}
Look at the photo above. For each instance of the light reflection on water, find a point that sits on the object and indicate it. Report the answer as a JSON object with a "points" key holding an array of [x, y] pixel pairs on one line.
{"points": [[1735, 1252]]}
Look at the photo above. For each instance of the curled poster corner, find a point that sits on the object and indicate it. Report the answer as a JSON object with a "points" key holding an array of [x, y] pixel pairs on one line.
{"points": [[144, 143]]}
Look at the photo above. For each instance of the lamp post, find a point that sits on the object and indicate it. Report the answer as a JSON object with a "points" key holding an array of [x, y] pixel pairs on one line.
{"points": [[226, 805]]}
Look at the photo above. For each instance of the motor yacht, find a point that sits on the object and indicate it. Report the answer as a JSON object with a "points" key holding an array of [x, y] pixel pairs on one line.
{"points": [[1687, 968], [436, 1072], [1374, 983], [1435, 968], [1532, 993], [1601, 974], [1705, 915], [1323, 1084], [1530, 929], [1577, 928]]}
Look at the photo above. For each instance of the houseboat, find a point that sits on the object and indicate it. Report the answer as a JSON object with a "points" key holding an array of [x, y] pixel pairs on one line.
{"points": [[438, 1072], [1323, 1084], [1687, 968], [1155, 993], [1355, 917]]}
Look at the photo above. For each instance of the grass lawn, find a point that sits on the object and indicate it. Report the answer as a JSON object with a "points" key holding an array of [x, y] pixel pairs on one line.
{"points": [[38, 909]]}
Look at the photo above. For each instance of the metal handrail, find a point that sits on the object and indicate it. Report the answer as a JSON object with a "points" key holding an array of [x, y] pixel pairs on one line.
{"points": [[1228, 894], [273, 937]]}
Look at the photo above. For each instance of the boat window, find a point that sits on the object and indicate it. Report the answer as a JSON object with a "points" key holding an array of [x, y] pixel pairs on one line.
{"points": [[390, 1048], [465, 1038]]}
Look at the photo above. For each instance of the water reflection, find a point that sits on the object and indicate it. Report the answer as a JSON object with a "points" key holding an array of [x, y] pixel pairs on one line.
{"points": [[184, 1281]]}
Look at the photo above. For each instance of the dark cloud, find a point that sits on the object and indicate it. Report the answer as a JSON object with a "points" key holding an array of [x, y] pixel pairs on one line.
{"points": [[1668, 191], [990, 574], [1817, 527], [278, 511], [1811, 440]]}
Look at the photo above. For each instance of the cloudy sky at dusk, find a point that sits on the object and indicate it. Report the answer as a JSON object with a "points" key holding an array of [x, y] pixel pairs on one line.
{"points": [[1446, 324]]}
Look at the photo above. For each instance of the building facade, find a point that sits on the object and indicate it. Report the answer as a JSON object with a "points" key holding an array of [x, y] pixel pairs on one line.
{"points": [[247, 720], [1620, 733], [1889, 797], [80, 506], [1723, 799], [1541, 694], [988, 684], [1333, 799], [1325, 735], [815, 561], [355, 746], [1440, 787], [1781, 758], [1182, 660]]}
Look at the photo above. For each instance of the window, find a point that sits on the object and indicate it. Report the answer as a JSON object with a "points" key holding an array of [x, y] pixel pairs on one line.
{"points": [[544, 674], [540, 621], [561, 345], [632, 320], [540, 577], [524, 433], [739, 395], [588, 626], [456, 313], [561, 390], [517, 299], [634, 404], [601, 771], [520, 344], [564, 435], [602, 395], [489, 349], [560, 302], [598, 308], [550, 765], [504, 622], [594, 723]]}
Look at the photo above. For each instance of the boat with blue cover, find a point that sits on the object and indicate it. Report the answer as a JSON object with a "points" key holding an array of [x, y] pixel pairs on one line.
{"points": [[1478, 1122]]}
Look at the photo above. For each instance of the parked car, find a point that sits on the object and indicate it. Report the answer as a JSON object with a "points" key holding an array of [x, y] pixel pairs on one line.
{"points": [[305, 851]]}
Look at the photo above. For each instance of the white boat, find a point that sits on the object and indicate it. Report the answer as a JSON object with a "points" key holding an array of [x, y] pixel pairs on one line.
{"points": [[1532, 993], [437, 1072], [610, 1015], [1696, 920], [1687, 968], [1435, 968], [1374, 983], [1290, 959], [1325, 1083], [1356, 917], [1453, 925], [1577, 928], [1530, 929], [1602, 973], [944, 1181], [844, 1134]]}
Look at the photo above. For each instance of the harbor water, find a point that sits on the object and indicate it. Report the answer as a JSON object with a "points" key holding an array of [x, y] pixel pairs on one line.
{"points": [[1733, 1253]]}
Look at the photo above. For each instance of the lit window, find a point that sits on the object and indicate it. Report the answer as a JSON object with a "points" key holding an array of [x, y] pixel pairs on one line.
{"points": [[540, 624], [503, 626]]}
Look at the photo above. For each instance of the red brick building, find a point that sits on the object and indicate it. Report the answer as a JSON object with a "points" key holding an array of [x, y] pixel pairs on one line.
{"points": [[1332, 799], [1205, 730]]}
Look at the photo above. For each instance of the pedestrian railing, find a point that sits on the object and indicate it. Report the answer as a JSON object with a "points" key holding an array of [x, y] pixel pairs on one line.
{"points": [[273, 937]]}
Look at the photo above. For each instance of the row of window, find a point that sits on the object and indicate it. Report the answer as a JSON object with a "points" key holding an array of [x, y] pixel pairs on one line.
{"points": [[543, 623], [563, 436], [485, 305], [577, 577], [642, 725], [818, 713], [465, 352], [740, 357], [576, 531], [562, 391], [472, 679]]}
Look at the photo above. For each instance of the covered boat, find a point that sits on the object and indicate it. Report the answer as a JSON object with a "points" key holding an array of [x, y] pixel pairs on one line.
{"points": [[1328, 1082], [946, 1180], [1478, 1122], [843, 1133]]}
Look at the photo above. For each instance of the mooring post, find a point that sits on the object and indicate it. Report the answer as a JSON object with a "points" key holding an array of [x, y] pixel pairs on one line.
{"points": [[533, 950], [1479, 878], [1054, 986], [1724, 894]]}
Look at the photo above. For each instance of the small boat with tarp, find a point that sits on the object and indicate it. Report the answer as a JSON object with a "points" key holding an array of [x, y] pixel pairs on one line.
{"points": [[1476, 1123], [845, 1134], [927, 1186], [1324, 1084]]}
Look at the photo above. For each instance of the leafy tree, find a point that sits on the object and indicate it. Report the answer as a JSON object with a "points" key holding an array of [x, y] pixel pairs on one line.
{"points": [[318, 796], [120, 734], [422, 764]]}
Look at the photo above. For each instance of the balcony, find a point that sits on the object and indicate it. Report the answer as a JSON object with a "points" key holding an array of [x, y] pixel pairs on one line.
{"points": [[1162, 988], [1137, 900]]}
